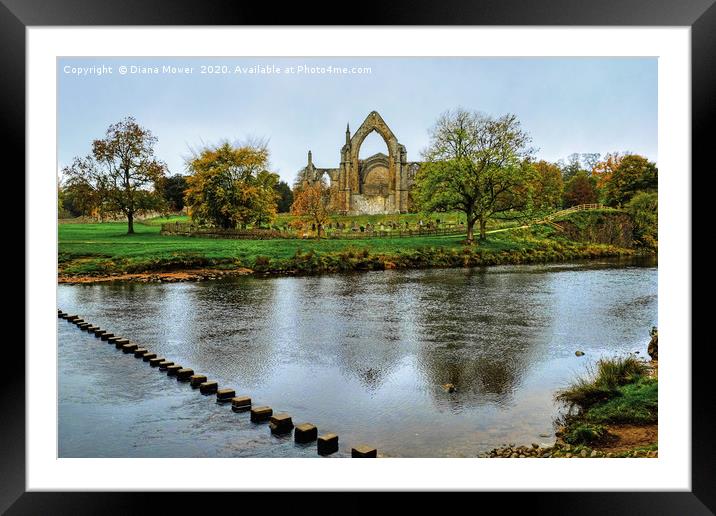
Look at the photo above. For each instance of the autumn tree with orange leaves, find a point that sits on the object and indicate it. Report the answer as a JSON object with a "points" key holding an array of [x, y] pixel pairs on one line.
{"points": [[313, 200]]}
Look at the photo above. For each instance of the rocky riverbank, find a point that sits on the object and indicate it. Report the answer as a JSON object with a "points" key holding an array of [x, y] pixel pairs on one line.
{"points": [[615, 416], [568, 451]]}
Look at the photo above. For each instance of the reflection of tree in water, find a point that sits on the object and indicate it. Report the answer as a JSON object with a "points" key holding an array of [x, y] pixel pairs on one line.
{"points": [[480, 332], [368, 355], [369, 309]]}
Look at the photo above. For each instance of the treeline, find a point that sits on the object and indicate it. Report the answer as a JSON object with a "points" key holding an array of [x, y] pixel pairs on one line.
{"points": [[484, 166], [121, 177], [619, 180], [480, 165]]}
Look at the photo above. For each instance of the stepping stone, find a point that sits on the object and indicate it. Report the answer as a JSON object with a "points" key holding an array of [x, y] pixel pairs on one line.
{"points": [[208, 387], [154, 362], [327, 444], [280, 424], [259, 414], [225, 394], [140, 352], [120, 342], [91, 329], [77, 322], [197, 379], [184, 374], [99, 332], [130, 347], [106, 336], [240, 403], [364, 452], [72, 318], [164, 365], [172, 369], [113, 340], [83, 325], [148, 356], [305, 433]]}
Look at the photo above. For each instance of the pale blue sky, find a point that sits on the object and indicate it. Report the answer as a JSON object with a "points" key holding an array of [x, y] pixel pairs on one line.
{"points": [[566, 104]]}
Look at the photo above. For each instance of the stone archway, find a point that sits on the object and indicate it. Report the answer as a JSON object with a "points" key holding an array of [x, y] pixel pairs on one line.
{"points": [[373, 122], [354, 172]]}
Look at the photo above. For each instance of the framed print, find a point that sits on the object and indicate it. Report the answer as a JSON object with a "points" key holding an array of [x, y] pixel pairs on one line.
{"points": [[260, 245]]}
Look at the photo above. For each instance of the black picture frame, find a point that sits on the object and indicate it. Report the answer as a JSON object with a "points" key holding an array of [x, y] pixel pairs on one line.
{"points": [[700, 15]]}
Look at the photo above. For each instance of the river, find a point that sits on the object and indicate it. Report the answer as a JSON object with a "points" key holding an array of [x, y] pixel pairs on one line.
{"points": [[363, 355]]}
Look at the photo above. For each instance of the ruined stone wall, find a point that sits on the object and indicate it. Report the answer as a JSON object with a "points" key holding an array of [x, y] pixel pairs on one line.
{"points": [[370, 205], [378, 184]]}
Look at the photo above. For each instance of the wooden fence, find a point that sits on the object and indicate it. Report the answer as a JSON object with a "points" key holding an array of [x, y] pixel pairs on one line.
{"points": [[184, 229]]}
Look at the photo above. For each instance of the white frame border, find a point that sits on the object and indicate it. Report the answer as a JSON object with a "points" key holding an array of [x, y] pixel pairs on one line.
{"points": [[671, 471]]}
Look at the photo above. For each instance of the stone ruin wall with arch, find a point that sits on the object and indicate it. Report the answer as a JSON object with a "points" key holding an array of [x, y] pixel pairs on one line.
{"points": [[378, 184]]}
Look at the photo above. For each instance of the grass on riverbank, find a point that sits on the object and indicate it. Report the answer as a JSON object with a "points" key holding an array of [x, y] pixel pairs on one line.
{"points": [[618, 392], [102, 249]]}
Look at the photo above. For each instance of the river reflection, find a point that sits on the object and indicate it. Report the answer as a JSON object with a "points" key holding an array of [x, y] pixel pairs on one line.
{"points": [[363, 355]]}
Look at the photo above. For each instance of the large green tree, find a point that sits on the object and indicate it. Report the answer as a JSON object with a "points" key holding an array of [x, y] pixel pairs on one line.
{"points": [[231, 186], [121, 171], [475, 164]]}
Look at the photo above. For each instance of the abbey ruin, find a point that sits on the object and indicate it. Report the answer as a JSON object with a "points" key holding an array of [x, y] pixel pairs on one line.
{"points": [[378, 184]]}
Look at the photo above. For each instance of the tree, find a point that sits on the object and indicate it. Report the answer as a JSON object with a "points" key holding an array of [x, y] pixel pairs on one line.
{"points": [[172, 190], [590, 160], [577, 162], [643, 208], [120, 170], [547, 186], [474, 164], [314, 201], [572, 167], [603, 170], [581, 189], [80, 198], [231, 186], [632, 174], [285, 199]]}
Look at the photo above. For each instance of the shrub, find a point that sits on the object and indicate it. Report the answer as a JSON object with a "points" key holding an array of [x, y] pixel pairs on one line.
{"points": [[602, 384], [643, 209]]}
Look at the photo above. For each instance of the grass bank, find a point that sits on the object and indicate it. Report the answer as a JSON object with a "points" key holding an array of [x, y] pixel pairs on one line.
{"points": [[94, 250], [611, 412], [619, 391]]}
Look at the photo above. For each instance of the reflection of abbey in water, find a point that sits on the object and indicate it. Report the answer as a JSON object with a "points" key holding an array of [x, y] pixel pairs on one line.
{"points": [[378, 184]]}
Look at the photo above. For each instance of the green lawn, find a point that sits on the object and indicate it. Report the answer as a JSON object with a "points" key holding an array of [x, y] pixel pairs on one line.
{"points": [[97, 249], [90, 247]]}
